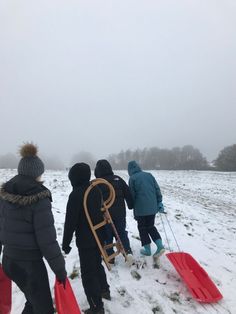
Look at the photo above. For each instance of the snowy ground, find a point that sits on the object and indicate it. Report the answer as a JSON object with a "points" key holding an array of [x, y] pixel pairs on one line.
{"points": [[201, 209]]}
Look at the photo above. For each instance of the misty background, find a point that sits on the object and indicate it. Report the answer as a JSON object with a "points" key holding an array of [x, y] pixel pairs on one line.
{"points": [[102, 76]]}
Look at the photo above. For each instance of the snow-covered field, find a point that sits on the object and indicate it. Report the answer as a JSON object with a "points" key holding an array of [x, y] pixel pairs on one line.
{"points": [[201, 209]]}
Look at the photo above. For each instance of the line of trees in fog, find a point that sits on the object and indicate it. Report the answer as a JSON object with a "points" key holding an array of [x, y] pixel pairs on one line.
{"points": [[185, 158], [178, 158]]}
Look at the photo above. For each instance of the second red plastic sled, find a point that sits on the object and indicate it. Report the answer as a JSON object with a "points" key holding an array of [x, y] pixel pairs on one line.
{"points": [[5, 293], [197, 280], [65, 299]]}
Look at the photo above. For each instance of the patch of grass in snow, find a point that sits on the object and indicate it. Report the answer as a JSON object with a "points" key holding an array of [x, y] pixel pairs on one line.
{"points": [[157, 309], [135, 274], [174, 297], [74, 274]]}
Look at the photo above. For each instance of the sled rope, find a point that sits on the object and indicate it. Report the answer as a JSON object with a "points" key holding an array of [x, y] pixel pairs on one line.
{"points": [[167, 240], [171, 232]]}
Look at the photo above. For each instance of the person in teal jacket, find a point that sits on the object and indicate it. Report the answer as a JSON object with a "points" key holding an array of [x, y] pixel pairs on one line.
{"points": [[147, 203]]}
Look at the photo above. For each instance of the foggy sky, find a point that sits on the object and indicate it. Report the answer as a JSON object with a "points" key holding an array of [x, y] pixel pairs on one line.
{"points": [[102, 76]]}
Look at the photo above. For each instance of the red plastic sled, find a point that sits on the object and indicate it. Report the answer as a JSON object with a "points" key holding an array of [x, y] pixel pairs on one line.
{"points": [[65, 299], [197, 280], [5, 293]]}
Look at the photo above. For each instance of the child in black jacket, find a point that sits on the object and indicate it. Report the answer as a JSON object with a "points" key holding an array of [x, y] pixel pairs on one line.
{"points": [[92, 272], [117, 211]]}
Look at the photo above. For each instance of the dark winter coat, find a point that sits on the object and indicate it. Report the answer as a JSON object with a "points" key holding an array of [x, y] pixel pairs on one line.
{"points": [[27, 229], [145, 190], [117, 210], [76, 220]]}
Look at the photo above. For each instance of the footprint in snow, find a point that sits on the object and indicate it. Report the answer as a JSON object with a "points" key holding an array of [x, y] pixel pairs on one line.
{"points": [[228, 270], [172, 276], [135, 274], [126, 299], [140, 263], [156, 308], [161, 282]]}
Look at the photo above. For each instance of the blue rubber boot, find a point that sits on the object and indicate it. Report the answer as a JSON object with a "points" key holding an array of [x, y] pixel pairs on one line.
{"points": [[146, 250], [160, 248]]}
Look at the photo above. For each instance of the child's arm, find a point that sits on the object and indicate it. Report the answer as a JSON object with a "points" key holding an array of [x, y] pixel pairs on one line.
{"points": [[127, 195], [72, 214]]}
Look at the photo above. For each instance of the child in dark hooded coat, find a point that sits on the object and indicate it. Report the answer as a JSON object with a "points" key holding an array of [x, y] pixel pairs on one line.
{"points": [[28, 234], [117, 211], [92, 271]]}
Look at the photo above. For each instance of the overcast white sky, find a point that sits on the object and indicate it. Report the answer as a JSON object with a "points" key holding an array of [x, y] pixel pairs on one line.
{"points": [[101, 76]]}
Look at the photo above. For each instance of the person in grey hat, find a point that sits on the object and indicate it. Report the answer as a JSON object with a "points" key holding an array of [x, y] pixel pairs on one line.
{"points": [[28, 234]]}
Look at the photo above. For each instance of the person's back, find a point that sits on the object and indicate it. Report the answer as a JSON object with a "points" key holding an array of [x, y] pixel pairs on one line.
{"points": [[117, 211], [145, 190], [28, 234], [147, 202], [104, 170], [76, 220], [18, 211], [92, 272]]}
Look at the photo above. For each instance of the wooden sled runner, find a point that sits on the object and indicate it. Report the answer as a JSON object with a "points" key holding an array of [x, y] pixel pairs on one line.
{"points": [[107, 220], [197, 280]]}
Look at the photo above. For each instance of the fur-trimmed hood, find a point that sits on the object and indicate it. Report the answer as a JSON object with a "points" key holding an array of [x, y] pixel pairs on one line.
{"points": [[23, 190]]}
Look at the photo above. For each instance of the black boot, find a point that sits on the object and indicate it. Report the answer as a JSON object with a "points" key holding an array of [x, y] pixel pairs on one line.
{"points": [[106, 295]]}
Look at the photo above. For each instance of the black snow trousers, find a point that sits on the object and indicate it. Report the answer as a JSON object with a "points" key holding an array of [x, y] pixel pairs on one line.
{"points": [[147, 229], [93, 276], [32, 279], [120, 225]]}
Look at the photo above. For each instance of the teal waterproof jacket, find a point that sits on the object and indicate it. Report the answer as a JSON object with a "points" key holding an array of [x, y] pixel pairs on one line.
{"points": [[145, 191]]}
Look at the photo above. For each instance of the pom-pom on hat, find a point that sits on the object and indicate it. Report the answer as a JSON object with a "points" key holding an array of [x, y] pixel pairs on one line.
{"points": [[30, 164]]}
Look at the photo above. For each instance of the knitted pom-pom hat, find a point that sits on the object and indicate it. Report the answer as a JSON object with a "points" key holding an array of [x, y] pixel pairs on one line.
{"points": [[30, 164]]}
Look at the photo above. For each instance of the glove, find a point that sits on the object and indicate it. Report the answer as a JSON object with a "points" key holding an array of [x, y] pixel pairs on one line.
{"points": [[62, 282], [161, 208], [61, 278], [66, 249]]}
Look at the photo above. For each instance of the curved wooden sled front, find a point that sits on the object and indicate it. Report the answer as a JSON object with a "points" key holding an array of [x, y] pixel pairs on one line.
{"points": [[106, 220]]}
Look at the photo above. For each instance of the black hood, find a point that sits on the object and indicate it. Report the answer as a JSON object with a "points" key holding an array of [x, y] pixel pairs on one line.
{"points": [[79, 174], [103, 169]]}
